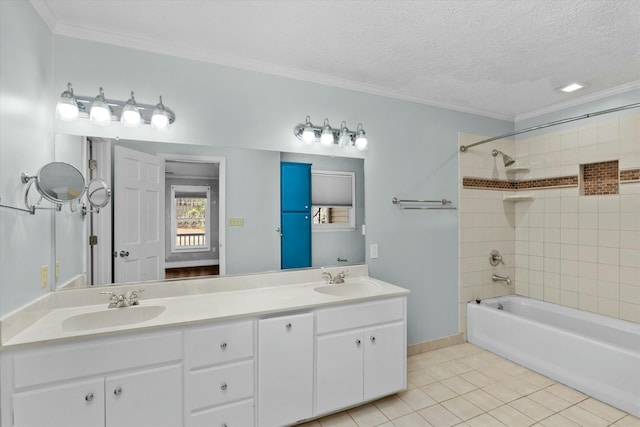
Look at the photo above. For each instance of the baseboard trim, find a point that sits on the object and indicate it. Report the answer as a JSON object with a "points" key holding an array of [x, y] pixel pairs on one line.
{"points": [[423, 347]]}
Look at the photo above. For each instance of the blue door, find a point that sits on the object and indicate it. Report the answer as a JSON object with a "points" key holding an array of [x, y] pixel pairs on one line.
{"points": [[295, 202]]}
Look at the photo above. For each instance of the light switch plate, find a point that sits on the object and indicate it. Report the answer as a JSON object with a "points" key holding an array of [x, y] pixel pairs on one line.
{"points": [[373, 251], [236, 222], [44, 276]]}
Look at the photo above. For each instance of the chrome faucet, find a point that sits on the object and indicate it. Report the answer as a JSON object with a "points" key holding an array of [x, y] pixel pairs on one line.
{"points": [[334, 280], [123, 300], [505, 279]]}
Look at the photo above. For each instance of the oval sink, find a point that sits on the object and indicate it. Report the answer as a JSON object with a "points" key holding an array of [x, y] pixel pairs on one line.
{"points": [[112, 317], [350, 288]]}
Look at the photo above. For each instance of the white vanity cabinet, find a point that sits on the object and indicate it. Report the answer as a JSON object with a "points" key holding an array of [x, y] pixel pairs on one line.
{"points": [[119, 382], [361, 353], [285, 369], [220, 375]]}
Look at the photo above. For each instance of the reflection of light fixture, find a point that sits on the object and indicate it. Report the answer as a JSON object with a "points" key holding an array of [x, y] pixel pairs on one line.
{"points": [[67, 108], [329, 137], [131, 113], [102, 111], [507, 160]]}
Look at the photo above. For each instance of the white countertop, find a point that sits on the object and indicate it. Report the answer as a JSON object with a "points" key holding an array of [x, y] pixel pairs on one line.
{"points": [[187, 302]]}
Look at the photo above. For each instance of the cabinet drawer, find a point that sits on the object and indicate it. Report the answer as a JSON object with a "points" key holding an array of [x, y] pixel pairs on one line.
{"points": [[222, 384], [219, 344], [359, 315], [234, 415], [94, 357]]}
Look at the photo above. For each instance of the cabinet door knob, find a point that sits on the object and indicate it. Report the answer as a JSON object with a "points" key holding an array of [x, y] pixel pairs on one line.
{"points": [[357, 342], [223, 425], [223, 345], [117, 391], [223, 386], [373, 339], [89, 397], [288, 325]]}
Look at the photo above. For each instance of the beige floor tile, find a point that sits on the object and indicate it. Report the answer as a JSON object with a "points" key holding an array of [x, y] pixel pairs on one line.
{"points": [[484, 420], [558, 420], [495, 373], [439, 416], [531, 408], [416, 399], [502, 392], [341, 419], [521, 386], [462, 408], [459, 385], [566, 393], [387, 424], [411, 420], [440, 371], [310, 424], [483, 400], [478, 378], [367, 416], [628, 421], [583, 417], [393, 407], [420, 378], [439, 392], [602, 410], [456, 367], [536, 379], [510, 416], [475, 361], [550, 400]]}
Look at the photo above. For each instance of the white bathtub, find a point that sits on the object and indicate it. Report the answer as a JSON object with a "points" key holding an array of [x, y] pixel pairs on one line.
{"points": [[598, 355]]}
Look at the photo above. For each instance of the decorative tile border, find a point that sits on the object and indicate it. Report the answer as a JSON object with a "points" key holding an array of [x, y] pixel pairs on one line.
{"points": [[499, 184], [629, 175]]}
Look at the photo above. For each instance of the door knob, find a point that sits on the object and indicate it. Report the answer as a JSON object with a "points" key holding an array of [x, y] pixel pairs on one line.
{"points": [[124, 254], [117, 391], [89, 397]]}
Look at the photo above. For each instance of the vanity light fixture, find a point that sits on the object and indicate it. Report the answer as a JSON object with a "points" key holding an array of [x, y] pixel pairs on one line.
{"points": [[572, 87], [330, 137], [103, 111]]}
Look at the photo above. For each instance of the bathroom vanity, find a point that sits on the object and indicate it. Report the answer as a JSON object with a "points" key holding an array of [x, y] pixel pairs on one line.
{"points": [[264, 350]]}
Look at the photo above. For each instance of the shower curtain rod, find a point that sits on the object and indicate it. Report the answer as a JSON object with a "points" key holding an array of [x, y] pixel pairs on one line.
{"points": [[464, 148]]}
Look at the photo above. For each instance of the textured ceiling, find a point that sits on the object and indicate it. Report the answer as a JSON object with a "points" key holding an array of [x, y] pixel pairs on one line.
{"points": [[497, 58]]}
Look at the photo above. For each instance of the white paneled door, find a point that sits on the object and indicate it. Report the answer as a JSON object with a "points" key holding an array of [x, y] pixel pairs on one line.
{"points": [[138, 216]]}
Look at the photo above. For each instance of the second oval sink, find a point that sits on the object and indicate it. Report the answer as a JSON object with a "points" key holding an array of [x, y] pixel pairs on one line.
{"points": [[112, 317], [348, 289]]}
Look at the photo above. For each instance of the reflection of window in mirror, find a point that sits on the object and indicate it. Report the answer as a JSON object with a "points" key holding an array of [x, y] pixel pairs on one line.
{"points": [[190, 224], [332, 200]]}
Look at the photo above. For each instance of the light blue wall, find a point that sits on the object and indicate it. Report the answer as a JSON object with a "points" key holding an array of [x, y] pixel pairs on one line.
{"points": [[413, 150], [26, 144]]}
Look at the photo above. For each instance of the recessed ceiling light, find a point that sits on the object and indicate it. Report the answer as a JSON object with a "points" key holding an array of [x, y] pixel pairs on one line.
{"points": [[572, 87]]}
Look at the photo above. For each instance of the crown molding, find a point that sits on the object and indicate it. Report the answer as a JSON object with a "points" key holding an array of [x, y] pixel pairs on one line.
{"points": [[45, 12], [579, 101]]}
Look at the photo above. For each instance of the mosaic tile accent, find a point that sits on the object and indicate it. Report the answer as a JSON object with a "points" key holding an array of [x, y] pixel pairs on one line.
{"points": [[629, 175], [600, 178], [498, 184]]}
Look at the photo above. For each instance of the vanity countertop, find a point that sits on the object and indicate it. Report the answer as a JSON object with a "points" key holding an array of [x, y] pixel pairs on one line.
{"points": [[65, 315]]}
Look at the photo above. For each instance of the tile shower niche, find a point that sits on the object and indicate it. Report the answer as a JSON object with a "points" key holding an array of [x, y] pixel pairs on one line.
{"points": [[600, 178]]}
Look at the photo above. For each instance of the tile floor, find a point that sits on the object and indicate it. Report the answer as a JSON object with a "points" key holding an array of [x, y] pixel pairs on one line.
{"points": [[464, 385]]}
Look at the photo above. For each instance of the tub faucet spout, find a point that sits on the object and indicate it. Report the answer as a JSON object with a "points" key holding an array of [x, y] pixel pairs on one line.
{"points": [[505, 279]]}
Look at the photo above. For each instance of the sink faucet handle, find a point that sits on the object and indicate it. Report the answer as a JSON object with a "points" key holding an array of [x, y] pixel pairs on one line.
{"points": [[133, 296], [328, 276], [113, 299]]}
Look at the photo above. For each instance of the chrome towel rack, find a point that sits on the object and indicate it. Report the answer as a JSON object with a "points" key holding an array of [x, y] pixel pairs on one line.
{"points": [[423, 204]]}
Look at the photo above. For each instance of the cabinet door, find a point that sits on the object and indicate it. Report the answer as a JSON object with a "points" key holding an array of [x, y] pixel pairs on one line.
{"points": [[235, 415], [296, 240], [384, 360], [295, 187], [151, 398], [339, 375], [78, 404], [285, 369]]}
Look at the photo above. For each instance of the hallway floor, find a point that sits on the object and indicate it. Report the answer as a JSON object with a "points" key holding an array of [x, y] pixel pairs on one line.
{"points": [[464, 385]]}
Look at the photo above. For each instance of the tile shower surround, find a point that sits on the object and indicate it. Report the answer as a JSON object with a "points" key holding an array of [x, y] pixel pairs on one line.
{"points": [[581, 251]]}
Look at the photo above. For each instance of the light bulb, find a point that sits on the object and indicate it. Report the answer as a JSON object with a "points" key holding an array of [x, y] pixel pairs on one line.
{"points": [[361, 139], [326, 138], [344, 140], [67, 107], [131, 113], [308, 134], [160, 117], [100, 112]]}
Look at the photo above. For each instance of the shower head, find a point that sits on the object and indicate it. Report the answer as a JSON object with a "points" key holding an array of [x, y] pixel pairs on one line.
{"points": [[508, 160]]}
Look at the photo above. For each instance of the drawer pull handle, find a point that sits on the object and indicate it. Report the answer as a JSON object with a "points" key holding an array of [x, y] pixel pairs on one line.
{"points": [[373, 339], [288, 325], [223, 345], [224, 386], [89, 397], [357, 342], [117, 391]]}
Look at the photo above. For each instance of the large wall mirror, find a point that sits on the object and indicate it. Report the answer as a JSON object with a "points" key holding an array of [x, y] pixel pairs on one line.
{"points": [[190, 210]]}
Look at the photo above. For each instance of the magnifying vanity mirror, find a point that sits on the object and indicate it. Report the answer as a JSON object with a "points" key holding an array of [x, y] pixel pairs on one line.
{"points": [[98, 195], [57, 182]]}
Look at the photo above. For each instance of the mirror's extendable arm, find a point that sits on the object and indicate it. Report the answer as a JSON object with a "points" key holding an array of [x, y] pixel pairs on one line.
{"points": [[31, 211]]}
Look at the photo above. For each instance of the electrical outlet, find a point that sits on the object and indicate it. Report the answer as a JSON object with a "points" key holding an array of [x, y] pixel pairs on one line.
{"points": [[44, 276], [236, 222], [373, 251], [57, 270]]}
